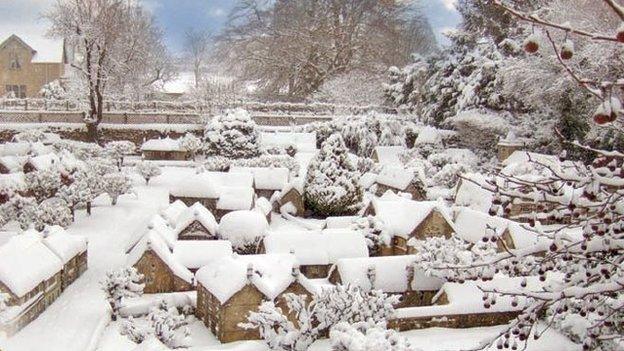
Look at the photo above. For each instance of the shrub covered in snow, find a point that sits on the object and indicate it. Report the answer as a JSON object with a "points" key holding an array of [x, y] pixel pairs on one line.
{"points": [[375, 232], [479, 129], [191, 143], [117, 150], [53, 91], [81, 150], [147, 170], [356, 88], [19, 208], [43, 184], [244, 229], [332, 185], [135, 332], [313, 318], [364, 336], [53, 212], [116, 184], [233, 134], [223, 164], [169, 325], [121, 284]]}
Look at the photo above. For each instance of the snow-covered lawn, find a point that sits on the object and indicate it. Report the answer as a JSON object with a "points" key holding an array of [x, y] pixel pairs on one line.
{"points": [[74, 321]]}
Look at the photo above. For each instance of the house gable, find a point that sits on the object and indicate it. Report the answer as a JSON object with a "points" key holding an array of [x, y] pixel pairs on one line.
{"points": [[196, 231], [434, 225]]}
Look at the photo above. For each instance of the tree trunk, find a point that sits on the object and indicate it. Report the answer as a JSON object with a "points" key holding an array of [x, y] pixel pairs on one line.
{"points": [[114, 200], [92, 132], [89, 208]]}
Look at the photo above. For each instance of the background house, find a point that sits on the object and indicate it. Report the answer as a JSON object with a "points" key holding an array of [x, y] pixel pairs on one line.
{"points": [[28, 63]]}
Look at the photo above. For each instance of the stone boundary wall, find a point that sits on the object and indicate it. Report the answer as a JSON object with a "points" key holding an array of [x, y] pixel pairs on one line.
{"points": [[149, 118], [453, 321]]}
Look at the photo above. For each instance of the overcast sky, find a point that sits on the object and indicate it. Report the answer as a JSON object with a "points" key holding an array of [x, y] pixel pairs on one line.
{"points": [[175, 16]]}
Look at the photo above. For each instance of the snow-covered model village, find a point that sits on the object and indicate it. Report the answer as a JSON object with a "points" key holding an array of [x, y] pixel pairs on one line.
{"points": [[331, 175]]}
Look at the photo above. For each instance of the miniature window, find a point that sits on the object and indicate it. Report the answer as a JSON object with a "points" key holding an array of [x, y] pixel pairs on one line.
{"points": [[15, 61]]}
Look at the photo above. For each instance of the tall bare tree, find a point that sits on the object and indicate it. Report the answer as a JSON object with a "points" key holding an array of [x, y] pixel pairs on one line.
{"points": [[117, 46], [197, 44], [293, 46]]}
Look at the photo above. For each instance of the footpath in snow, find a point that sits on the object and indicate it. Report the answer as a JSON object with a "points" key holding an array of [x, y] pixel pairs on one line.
{"points": [[75, 320]]}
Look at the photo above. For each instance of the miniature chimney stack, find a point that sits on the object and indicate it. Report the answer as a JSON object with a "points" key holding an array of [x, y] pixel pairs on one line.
{"points": [[295, 270], [508, 145], [372, 275], [410, 274], [249, 271]]}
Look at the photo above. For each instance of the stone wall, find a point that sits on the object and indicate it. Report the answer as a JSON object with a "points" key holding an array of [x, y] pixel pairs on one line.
{"points": [[158, 277], [452, 321]]}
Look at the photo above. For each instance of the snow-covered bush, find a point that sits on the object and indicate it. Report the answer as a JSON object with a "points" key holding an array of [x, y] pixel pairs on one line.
{"points": [[136, 333], [233, 134], [117, 150], [43, 184], [80, 149], [392, 134], [53, 212], [479, 129], [121, 284], [314, 318], [332, 185], [374, 231], [191, 143], [223, 164], [116, 184], [147, 170], [19, 208], [244, 229], [53, 91], [32, 135], [169, 325], [367, 337]]}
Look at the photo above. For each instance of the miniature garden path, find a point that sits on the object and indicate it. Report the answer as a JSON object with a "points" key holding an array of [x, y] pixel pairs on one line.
{"points": [[74, 319]]}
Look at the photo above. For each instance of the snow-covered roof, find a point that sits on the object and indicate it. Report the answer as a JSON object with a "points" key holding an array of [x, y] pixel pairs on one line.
{"points": [[210, 184], [235, 198], [65, 246], [25, 262], [171, 212], [14, 149], [266, 178], [154, 242], [469, 193], [339, 222], [428, 135], [163, 228], [271, 274], [390, 272], [396, 177], [197, 212], [317, 248], [43, 162], [524, 163], [471, 226], [242, 227], [296, 183], [14, 181], [305, 142], [13, 163], [466, 298], [389, 155], [368, 179], [194, 254], [46, 50], [165, 144], [263, 205], [401, 216]]}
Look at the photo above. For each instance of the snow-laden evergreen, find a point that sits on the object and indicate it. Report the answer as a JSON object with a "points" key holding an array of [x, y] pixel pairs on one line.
{"points": [[332, 184], [233, 134], [147, 170], [365, 336], [121, 284]]}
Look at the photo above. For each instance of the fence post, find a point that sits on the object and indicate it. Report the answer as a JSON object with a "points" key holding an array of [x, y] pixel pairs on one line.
{"points": [[66, 105], [25, 105]]}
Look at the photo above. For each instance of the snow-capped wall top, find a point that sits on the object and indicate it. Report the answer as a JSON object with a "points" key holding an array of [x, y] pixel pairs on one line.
{"points": [[194, 254], [388, 273], [165, 144], [235, 198], [401, 216], [197, 212], [65, 246], [243, 227], [304, 142], [317, 248], [25, 262], [270, 274], [389, 155], [266, 178]]}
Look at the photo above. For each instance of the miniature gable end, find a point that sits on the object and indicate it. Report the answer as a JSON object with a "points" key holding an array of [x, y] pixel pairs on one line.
{"points": [[434, 225]]}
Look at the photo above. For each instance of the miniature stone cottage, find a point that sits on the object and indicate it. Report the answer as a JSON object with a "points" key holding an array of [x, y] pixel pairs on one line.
{"points": [[401, 180], [195, 223], [290, 199], [164, 149]]}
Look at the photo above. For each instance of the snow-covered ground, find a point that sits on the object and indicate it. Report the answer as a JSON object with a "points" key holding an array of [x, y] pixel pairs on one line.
{"points": [[75, 319]]}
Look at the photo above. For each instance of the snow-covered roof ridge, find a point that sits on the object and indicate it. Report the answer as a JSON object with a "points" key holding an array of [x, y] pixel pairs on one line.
{"points": [[45, 50], [402, 216], [266, 178], [197, 212], [296, 184], [65, 246], [271, 274], [194, 254], [390, 274], [317, 247], [396, 177], [154, 242], [25, 262], [235, 198]]}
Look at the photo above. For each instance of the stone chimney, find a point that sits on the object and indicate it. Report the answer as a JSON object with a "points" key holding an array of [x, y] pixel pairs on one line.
{"points": [[295, 270], [507, 146], [249, 271]]}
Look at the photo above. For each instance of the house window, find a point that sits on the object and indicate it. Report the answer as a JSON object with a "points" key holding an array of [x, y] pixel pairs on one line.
{"points": [[14, 62], [17, 91]]}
